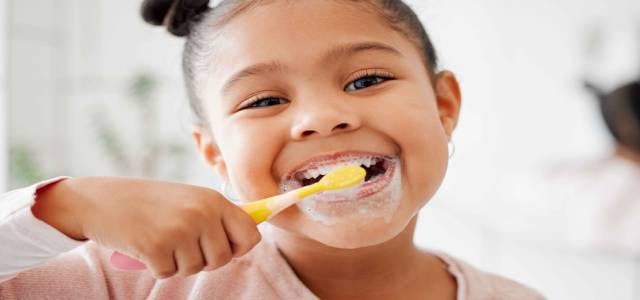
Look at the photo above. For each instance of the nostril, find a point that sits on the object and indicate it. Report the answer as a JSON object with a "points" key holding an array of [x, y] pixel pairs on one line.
{"points": [[308, 133], [341, 126]]}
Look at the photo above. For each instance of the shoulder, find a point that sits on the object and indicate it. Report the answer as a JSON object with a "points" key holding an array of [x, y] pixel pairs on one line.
{"points": [[476, 284]]}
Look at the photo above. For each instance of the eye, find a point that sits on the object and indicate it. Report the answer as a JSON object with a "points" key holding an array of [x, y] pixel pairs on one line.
{"points": [[366, 81], [265, 102]]}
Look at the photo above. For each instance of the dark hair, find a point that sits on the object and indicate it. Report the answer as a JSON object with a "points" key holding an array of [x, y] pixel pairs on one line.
{"points": [[195, 20], [621, 113]]}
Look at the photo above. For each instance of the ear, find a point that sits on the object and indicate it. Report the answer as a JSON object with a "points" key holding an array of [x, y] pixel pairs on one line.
{"points": [[448, 99], [209, 151]]}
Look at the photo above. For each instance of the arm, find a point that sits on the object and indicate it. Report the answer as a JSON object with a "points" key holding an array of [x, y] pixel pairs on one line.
{"points": [[173, 228]]}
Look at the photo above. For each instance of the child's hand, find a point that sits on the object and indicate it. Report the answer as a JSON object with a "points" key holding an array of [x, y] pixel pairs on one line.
{"points": [[172, 228]]}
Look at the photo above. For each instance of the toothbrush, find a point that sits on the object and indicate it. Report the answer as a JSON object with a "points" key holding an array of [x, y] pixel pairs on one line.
{"points": [[264, 209]]}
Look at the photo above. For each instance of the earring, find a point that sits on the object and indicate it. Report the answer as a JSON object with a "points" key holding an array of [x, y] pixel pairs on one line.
{"points": [[452, 148], [227, 191]]}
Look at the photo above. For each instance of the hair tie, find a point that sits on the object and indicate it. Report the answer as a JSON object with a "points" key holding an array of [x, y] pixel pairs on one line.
{"points": [[176, 15]]}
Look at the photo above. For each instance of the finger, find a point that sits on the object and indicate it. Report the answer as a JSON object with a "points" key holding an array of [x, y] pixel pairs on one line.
{"points": [[161, 264], [241, 230], [215, 247], [189, 259]]}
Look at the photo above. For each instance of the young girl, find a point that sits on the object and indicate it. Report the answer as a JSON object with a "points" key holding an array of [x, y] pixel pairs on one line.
{"points": [[285, 91]]}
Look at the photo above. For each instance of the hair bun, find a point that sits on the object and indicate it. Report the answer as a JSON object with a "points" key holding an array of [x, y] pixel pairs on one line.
{"points": [[176, 15]]}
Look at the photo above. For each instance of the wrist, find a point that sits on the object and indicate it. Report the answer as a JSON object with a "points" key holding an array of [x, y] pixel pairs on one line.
{"points": [[56, 205]]}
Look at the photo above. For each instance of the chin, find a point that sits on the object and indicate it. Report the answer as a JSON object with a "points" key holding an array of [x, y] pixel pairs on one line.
{"points": [[356, 235]]}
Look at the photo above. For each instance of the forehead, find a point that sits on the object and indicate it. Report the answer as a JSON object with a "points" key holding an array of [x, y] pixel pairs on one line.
{"points": [[297, 34]]}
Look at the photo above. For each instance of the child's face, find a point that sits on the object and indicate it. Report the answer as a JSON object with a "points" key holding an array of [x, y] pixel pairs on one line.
{"points": [[313, 60]]}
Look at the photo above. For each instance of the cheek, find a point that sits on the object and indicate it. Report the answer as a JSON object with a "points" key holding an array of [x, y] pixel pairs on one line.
{"points": [[415, 126], [249, 152]]}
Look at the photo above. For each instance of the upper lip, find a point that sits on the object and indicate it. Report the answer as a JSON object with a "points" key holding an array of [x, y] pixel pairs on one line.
{"points": [[328, 159]]}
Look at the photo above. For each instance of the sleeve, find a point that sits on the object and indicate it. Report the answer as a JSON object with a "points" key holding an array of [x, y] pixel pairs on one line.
{"points": [[39, 262], [27, 241]]}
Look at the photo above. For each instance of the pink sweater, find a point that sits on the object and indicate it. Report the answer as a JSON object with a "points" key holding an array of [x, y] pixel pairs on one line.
{"points": [[85, 272]]}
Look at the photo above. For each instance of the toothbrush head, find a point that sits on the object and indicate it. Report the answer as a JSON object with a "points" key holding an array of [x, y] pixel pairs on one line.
{"points": [[343, 177]]}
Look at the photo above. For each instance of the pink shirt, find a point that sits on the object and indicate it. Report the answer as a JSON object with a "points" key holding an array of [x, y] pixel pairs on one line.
{"points": [[38, 262]]}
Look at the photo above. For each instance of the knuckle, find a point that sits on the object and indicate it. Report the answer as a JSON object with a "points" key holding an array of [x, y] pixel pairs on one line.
{"points": [[165, 273], [192, 269], [221, 258], [194, 211], [208, 268], [178, 230], [199, 207], [155, 245], [247, 245], [255, 238]]}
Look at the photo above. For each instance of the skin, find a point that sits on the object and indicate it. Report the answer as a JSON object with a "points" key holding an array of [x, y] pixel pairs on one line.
{"points": [[253, 147], [627, 153], [175, 229]]}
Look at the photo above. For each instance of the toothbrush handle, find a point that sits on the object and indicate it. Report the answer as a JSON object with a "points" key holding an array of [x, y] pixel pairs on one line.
{"points": [[125, 262], [260, 210], [264, 209]]}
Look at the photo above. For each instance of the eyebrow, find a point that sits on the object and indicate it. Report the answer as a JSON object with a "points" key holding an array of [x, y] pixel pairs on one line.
{"points": [[334, 54]]}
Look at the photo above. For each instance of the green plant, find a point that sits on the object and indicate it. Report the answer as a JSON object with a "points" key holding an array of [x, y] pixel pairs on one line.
{"points": [[154, 150], [24, 169]]}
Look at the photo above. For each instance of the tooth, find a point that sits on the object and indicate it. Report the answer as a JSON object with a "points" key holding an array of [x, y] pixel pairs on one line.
{"points": [[369, 162], [364, 162], [307, 174], [316, 171], [324, 170]]}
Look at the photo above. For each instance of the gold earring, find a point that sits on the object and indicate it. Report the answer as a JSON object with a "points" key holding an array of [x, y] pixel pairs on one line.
{"points": [[227, 191], [451, 148]]}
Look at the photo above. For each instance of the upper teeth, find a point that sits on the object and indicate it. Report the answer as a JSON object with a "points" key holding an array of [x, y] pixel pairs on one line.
{"points": [[314, 172]]}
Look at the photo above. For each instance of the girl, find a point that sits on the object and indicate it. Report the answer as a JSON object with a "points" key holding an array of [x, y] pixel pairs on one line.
{"points": [[285, 91]]}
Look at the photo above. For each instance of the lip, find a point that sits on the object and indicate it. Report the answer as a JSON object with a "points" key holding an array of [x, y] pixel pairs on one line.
{"points": [[362, 190], [330, 159], [380, 183]]}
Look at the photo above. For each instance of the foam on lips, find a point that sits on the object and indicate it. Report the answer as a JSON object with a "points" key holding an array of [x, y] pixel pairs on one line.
{"points": [[377, 198], [312, 172]]}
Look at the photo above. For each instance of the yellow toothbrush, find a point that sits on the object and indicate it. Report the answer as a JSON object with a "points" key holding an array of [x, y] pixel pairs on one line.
{"points": [[340, 178], [262, 210]]}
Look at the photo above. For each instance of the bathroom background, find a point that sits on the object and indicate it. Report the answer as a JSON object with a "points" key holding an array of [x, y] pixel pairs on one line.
{"points": [[86, 88]]}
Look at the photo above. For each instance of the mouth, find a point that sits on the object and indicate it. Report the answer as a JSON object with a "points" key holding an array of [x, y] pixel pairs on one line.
{"points": [[379, 168]]}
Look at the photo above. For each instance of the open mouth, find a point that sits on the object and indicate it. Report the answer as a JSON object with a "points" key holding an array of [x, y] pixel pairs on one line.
{"points": [[379, 170]]}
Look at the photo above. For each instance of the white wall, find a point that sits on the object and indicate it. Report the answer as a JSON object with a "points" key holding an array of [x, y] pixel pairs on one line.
{"points": [[3, 100], [36, 65], [520, 65], [82, 60]]}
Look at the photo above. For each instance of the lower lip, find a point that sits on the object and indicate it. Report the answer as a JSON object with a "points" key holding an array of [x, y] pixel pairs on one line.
{"points": [[362, 190]]}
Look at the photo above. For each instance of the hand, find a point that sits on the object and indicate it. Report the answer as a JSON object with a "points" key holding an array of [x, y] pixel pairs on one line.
{"points": [[172, 228]]}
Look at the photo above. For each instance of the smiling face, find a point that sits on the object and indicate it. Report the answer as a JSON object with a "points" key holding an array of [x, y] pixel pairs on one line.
{"points": [[299, 88]]}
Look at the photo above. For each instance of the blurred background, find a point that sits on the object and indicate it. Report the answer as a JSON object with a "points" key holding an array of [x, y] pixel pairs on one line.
{"points": [[86, 88]]}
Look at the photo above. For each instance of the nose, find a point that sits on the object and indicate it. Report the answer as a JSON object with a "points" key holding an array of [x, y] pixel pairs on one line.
{"points": [[322, 121]]}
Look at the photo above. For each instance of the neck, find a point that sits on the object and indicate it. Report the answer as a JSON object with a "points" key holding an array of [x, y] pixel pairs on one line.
{"points": [[628, 154], [389, 268]]}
